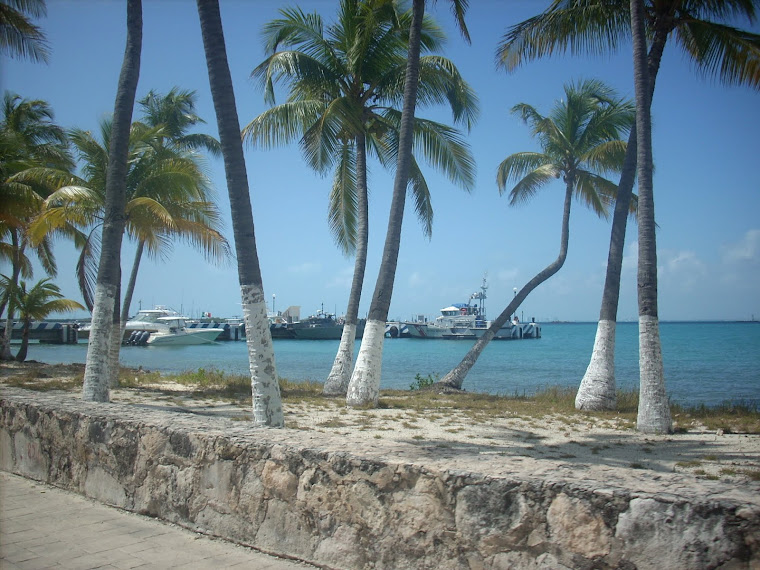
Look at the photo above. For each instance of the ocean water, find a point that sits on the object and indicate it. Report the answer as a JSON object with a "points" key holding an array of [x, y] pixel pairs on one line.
{"points": [[706, 363]]}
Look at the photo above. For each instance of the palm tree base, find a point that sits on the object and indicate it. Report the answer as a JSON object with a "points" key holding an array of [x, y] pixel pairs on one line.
{"points": [[340, 375], [265, 387], [364, 388], [597, 390], [96, 372], [654, 409]]}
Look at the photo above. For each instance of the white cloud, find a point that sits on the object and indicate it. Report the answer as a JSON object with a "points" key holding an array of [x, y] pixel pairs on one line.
{"points": [[682, 269], [745, 250], [508, 276], [306, 267], [342, 279], [631, 257], [415, 279]]}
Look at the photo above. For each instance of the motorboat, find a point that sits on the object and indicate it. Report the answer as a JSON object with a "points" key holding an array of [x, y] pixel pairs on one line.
{"points": [[145, 320], [322, 326], [467, 321], [173, 331]]}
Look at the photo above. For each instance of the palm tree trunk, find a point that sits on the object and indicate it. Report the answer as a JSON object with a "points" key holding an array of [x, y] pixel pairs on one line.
{"points": [[24, 348], [130, 288], [115, 347], [598, 389], [267, 402], [18, 251], [340, 375], [96, 376], [455, 378], [654, 412], [364, 387]]}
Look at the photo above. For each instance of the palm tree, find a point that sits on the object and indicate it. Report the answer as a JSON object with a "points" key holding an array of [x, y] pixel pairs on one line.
{"points": [[364, 387], [730, 54], [168, 197], [19, 37], [267, 402], [343, 83], [36, 303], [654, 408], [97, 375], [190, 212], [175, 113], [580, 141], [28, 138]]}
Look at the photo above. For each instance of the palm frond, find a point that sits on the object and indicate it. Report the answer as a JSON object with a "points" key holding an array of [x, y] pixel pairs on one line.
{"points": [[283, 123], [730, 54], [423, 205], [521, 164], [342, 215], [574, 26], [340, 122]]}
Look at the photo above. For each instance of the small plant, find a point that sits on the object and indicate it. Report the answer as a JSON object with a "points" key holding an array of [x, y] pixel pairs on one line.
{"points": [[421, 382]]}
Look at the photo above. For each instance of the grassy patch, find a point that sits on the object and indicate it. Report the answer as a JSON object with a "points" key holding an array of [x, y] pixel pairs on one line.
{"points": [[465, 407]]}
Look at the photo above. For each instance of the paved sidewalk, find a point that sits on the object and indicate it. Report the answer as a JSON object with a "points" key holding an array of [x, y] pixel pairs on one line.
{"points": [[46, 527]]}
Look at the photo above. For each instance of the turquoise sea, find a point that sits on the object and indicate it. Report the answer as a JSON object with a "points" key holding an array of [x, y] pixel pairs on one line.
{"points": [[705, 362]]}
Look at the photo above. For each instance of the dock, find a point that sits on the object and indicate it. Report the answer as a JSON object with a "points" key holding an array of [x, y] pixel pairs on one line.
{"points": [[47, 332]]}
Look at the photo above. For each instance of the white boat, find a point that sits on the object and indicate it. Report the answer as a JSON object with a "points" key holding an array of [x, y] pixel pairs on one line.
{"points": [[173, 331], [145, 320], [467, 321]]}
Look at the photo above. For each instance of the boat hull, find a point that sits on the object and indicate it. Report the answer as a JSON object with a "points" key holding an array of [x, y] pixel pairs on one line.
{"points": [[184, 338], [507, 332], [305, 331]]}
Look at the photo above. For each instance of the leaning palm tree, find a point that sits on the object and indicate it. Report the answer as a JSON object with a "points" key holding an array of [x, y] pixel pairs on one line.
{"points": [[580, 143], [718, 50], [364, 387], [19, 37], [267, 401], [97, 375], [344, 80], [36, 303], [29, 138]]}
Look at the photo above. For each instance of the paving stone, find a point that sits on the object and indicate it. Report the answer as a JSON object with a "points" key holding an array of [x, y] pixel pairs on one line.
{"points": [[44, 527]]}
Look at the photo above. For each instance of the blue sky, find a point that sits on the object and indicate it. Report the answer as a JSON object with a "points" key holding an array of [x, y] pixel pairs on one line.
{"points": [[707, 193]]}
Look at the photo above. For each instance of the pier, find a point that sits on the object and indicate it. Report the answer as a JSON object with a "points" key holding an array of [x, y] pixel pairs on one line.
{"points": [[47, 332]]}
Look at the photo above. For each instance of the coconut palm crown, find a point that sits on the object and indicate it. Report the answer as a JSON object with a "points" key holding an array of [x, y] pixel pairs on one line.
{"points": [[579, 142], [347, 79]]}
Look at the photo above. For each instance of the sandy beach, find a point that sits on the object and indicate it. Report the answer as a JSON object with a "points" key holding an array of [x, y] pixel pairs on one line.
{"points": [[582, 446]]}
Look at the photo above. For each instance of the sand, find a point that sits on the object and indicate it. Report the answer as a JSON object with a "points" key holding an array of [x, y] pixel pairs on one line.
{"points": [[577, 446]]}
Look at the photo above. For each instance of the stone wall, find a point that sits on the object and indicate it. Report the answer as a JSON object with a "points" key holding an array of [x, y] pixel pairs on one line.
{"points": [[263, 488]]}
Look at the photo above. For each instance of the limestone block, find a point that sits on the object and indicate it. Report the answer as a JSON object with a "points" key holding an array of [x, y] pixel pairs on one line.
{"points": [[279, 481], [31, 460], [104, 487], [493, 517], [344, 549], [574, 527], [286, 531], [7, 456], [664, 535]]}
